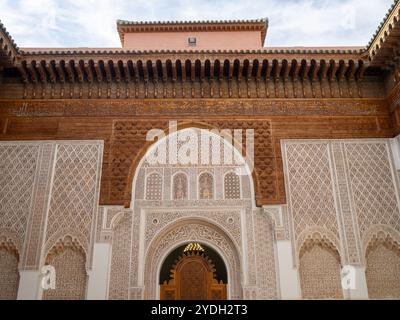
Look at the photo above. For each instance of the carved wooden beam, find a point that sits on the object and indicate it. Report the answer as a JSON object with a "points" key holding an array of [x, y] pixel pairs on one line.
{"points": [[70, 72], [99, 73], [60, 72], [107, 68], [174, 71], [351, 70], [315, 70], [202, 71], [153, 68], [136, 74], [79, 71], [342, 70], [334, 66], [183, 68], [23, 72], [296, 65], [277, 69], [268, 71], [286, 67], [164, 71], [240, 71], [41, 71], [117, 72], [259, 70], [306, 65], [51, 72], [249, 70], [324, 69], [193, 72], [361, 70], [88, 71], [127, 72], [212, 68], [32, 72], [221, 71]]}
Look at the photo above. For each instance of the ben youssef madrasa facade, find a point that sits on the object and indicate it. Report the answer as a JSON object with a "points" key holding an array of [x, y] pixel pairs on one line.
{"points": [[79, 193]]}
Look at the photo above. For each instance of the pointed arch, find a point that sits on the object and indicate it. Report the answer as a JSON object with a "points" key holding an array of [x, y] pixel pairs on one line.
{"points": [[206, 186], [232, 186], [180, 186], [319, 269], [68, 258], [383, 267], [146, 147], [154, 186], [9, 273]]}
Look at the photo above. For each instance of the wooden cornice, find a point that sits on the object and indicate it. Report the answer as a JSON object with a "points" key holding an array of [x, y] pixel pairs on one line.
{"points": [[382, 48], [191, 68], [8, 49]]}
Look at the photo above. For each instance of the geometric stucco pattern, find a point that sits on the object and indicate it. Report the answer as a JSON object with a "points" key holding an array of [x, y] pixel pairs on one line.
{"points": [[74, 194], [319, 271], [120, 259], [343, 189], [41, 193], [348, 232], [68, 258], [18, 163], [372, 185], [311, 200], [383, 268], [265, 256], [9, 273]]}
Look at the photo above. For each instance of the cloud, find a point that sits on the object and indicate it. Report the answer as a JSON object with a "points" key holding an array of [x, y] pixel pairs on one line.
{"points": [[92, 23]]}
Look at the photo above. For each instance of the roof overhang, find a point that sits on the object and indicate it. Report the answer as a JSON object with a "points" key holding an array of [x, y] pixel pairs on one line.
{"points": [[384, 47], [8, 49]]}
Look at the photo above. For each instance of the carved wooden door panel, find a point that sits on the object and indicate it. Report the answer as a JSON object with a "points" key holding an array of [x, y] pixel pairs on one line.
{"points": [[193, 279]]}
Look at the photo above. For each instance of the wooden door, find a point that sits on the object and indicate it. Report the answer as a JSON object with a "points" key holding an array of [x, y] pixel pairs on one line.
{"points": [[193, 279]]}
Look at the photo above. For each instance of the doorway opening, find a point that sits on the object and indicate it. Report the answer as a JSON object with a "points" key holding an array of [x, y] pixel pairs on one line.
{"points": [[193, 271]]}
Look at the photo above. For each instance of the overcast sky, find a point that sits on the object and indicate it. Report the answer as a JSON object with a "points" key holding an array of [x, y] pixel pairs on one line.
{"points": [[92, 23]]}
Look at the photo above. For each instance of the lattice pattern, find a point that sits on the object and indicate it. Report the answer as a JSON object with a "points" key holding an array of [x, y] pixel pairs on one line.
{"points": [[206, 186], [9, 274], [73, 206], [265, 257], [36, 224], [320, 273], [180, 187], [154, 187], [229, 220], [232, 186], [17, 176], [310, 187], [352, 251], [68, 259], [372, 185], [383, 270], [121, 247]]}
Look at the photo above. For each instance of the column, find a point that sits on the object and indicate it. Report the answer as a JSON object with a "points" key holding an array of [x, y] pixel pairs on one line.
{"points": [[99, 275], [29, 285], [288, 275]]}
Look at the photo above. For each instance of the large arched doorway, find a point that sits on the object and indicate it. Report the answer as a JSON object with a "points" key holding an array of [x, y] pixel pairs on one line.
{"points": [[192, 185], [193, 272]]}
